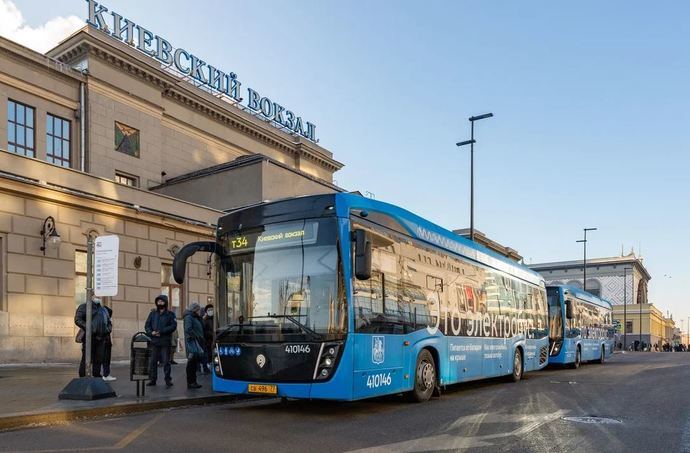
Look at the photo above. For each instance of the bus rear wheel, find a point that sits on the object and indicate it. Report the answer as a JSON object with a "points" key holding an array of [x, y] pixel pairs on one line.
{"points": [[424, 378], [517, 365], [578, 358], [603, 356]]}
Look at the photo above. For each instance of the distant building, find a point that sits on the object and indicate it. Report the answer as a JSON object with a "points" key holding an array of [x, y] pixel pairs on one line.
{"points": [[606, 277], [643, 323], [623, 281], [481, 238]]}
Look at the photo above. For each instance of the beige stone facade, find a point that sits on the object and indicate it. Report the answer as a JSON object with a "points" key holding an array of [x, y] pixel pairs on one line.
{"points": [[182, 131]]}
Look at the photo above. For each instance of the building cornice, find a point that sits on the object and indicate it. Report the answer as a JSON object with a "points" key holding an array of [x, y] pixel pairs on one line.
{"points": [[90, 42], [613, 261]]}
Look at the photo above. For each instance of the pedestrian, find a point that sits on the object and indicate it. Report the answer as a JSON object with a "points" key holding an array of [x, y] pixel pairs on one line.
{"points": [[174, 340], [193, 340], [160, 325], [108, 350], [208, 337], [100, 329]]}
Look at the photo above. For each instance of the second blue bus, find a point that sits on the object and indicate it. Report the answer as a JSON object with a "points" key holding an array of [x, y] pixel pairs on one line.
{"points": [[580, 326]]}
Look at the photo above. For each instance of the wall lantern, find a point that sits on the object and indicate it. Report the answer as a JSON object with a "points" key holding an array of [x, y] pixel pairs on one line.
{"points": [[49, 234]]}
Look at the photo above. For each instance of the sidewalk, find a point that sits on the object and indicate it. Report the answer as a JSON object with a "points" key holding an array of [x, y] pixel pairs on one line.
{"points": [[29, 394]]}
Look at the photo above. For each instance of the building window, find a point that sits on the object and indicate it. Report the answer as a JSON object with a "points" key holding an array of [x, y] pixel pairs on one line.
{"points": [[126, 139], [126, 179], [172, 289], [20, 128], [58, 140], [628, 327], [80, 277]]}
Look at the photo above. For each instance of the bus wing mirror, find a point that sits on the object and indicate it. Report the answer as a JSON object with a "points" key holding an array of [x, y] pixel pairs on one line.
{"points": [[362, 242], [568, 309], [180, 260]]}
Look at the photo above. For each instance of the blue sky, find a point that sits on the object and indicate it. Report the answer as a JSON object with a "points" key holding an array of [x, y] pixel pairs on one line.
{"points": [[591, 125]]}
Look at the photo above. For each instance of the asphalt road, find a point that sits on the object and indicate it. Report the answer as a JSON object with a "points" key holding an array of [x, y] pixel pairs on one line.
{"points": [[643, 397]]}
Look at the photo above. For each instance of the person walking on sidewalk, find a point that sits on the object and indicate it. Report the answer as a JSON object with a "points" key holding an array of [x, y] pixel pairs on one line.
{"points": [[100, 329], [108, 350], [193, 340], [160, 325]]}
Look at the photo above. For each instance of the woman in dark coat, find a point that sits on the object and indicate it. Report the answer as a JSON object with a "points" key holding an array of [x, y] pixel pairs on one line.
{"points": [[194, 341]]}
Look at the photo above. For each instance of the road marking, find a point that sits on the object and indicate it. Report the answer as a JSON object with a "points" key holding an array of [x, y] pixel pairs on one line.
{"points": [[124, 442], [131, 437], [453, 442]]}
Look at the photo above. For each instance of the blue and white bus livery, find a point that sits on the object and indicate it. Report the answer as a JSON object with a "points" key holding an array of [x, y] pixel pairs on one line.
{"points": [[580, 326], [342, 297]]}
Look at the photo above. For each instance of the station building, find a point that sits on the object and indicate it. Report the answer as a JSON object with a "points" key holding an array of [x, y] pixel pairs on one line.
{"points": [[623, 281], [98, 137]]}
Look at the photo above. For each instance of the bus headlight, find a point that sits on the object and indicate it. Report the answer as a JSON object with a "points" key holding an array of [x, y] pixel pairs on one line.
{"points": [[326, 361], [216, 360]]}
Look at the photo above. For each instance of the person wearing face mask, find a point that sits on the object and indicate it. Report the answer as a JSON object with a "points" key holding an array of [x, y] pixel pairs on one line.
{"points": [[160, 325], [101, 327], [208, 337]]}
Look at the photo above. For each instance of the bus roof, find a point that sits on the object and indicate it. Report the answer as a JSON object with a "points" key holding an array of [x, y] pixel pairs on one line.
{"points": [[414, 225], [581, 294], [429, 232]]}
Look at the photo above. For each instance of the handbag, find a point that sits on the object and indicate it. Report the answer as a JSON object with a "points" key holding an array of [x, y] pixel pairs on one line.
{"points": [[194, 350], [80, 336]]}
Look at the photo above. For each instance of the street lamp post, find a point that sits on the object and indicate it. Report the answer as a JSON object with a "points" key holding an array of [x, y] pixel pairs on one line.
{"points": [[471, 142], [584, 261], [625, 306]]}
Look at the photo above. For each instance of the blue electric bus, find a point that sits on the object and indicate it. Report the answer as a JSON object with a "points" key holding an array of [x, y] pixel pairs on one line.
{"points": [[580, 326], [342, 297]]}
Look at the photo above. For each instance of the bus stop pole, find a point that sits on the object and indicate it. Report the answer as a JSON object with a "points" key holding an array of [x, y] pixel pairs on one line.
{"points": [[89, 297]]}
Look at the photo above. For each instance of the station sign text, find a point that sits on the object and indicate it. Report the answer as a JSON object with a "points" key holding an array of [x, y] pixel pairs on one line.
{"points": [[186, 63]]}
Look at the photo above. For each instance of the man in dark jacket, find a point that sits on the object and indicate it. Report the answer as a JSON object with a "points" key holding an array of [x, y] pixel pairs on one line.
{"points": [[100, 329], [160, 325]]}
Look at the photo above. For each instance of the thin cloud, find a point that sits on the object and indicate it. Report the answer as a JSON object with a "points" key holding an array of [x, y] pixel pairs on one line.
{"points": [[41, 38]]}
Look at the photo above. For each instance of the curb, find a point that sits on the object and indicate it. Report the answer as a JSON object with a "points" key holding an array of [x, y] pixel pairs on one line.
{"points": [[59, 416]]}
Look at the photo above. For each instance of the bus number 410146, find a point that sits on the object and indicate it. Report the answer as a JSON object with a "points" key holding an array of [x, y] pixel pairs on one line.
{"points": [[379, 380]]}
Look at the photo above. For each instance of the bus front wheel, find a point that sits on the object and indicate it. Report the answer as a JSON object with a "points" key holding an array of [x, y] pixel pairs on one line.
{"points": [[424, 377], [517, 365]]}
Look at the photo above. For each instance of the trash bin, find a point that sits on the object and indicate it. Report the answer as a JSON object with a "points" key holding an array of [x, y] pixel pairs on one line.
{"points": [[139, 357]]}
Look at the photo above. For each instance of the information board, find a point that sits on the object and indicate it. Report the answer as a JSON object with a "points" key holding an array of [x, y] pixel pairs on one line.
{"points": [[105, 265]]}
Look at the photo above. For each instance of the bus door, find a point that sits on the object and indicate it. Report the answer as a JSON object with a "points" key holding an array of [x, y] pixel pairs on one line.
{"points": [[465, 347], [378, 340]]}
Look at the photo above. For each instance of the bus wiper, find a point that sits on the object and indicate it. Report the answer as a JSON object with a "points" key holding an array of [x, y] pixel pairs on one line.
{"points": [[315, 335], [229, 327]]}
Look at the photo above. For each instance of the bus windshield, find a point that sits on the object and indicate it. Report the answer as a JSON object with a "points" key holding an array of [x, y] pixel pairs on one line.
{"points": [[555, 314], [283, 279]]}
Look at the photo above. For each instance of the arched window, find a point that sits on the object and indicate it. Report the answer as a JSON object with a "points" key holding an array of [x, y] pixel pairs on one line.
{"points": [[575, 283], [642, 292]]}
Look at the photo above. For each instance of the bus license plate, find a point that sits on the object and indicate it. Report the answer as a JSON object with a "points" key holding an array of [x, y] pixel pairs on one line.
{"points": [[265, 389]]}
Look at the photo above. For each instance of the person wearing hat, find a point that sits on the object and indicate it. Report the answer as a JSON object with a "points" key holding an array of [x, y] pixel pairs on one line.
{"points": [[193, 340], [160, 325]]}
